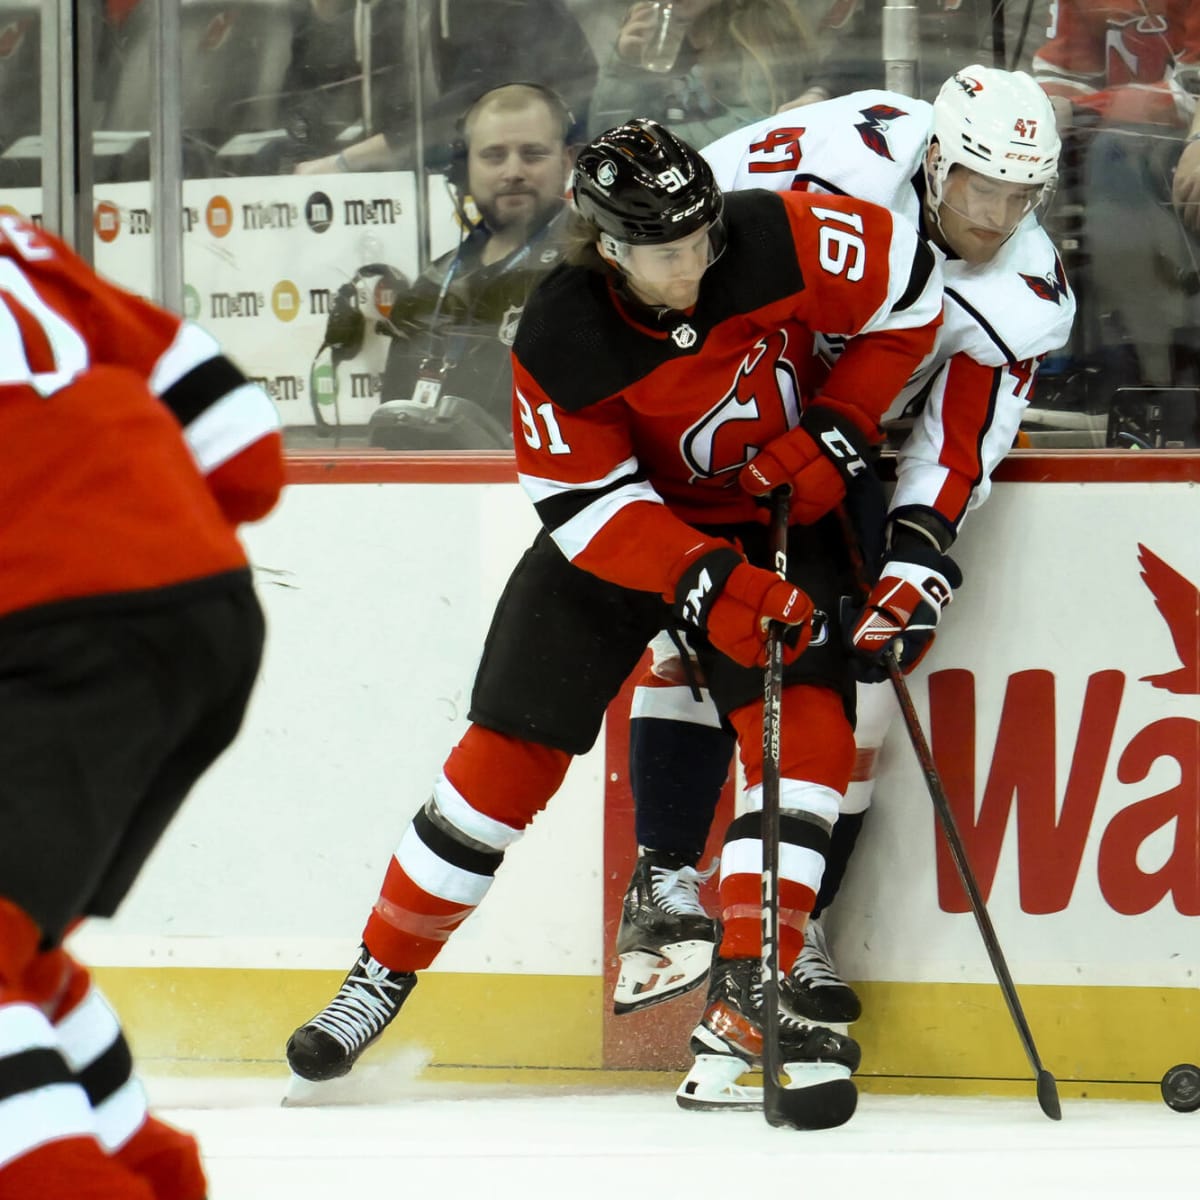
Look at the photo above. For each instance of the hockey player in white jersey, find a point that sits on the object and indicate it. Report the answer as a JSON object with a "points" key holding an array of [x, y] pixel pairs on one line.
{"points": [[972, 171]]}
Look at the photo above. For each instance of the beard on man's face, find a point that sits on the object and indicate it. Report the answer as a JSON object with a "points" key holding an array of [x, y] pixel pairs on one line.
{"points": [[509, 216]]}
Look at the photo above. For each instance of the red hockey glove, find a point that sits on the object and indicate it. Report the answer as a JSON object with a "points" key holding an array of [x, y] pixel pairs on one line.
{"points": [[915, 586], [817, 459], [732, 602]]}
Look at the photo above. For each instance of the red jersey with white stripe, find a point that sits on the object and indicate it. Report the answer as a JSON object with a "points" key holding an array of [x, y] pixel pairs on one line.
{"points": [[1118, 57], [131, 447], [631, 426], [1001, 317]]}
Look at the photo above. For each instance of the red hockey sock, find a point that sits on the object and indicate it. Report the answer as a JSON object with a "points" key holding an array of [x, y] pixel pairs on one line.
{"points": [[493, 786], [168, 1159], [73, 1168]]}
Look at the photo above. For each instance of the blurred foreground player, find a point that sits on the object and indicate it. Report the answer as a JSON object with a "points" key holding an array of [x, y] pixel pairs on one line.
{"points": [[130, 638], [972, 173], [662, 388]]}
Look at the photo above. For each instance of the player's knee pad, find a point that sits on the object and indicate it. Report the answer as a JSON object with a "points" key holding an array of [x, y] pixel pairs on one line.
{"points": [[505, 780], [817, 743]]}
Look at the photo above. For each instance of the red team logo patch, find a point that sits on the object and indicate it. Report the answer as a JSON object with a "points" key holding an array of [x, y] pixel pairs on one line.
{"points": [[753, 412]]}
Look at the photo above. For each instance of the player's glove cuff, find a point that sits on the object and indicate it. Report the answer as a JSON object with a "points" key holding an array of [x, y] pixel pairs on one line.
{"points": [[700, 584], [839, 438]]}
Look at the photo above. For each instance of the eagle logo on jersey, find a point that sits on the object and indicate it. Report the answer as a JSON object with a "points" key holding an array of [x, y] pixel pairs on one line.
{"points": [[1178, 600], [761, 404], [1051, 287], [873, 130]]}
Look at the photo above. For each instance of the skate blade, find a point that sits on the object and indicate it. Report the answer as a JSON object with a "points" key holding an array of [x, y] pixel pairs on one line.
{"points": [[712, 1085], [816, 1095], [392, 1078], [648, 978]]}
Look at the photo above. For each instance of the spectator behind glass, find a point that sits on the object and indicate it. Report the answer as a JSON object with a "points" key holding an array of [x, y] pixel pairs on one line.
{"points": [[448, 381], [740, 61], [1118, 73], [476, 45]]}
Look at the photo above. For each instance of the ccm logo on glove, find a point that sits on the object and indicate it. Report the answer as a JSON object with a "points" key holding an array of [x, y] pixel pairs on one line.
{"points": [[733, 603], [905, 606], [838, 446]]}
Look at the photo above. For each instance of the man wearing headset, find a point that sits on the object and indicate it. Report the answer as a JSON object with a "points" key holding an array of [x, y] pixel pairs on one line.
{"points": [[448, 381]]}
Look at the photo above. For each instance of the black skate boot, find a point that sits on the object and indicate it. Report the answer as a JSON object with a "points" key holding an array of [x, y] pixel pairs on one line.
{"points": [[728, 1043], [813, 990], [665, 939], [327, 1046]]}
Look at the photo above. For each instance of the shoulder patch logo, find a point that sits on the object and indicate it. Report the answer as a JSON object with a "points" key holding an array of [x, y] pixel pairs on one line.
{"points": [[873, 129], [1052, 287]]}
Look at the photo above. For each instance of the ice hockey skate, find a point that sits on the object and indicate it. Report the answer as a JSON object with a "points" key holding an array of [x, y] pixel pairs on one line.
{"points": [[328, 1045], [728, 1044], [665, 939], [813, 990]]}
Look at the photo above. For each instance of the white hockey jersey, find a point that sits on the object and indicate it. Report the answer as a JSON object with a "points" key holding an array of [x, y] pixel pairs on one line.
{"points": [[1001, 317]]}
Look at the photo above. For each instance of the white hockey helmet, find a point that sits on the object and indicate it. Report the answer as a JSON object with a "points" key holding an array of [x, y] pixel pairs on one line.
{"points": [[997, 123]]}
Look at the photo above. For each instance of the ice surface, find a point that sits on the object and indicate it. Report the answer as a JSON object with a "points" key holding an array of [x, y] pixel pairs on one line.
{"points": [[382, 1134]]}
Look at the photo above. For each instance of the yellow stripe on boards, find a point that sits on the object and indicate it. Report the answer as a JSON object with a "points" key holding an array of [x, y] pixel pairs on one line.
{"points": [[916, 1037]]}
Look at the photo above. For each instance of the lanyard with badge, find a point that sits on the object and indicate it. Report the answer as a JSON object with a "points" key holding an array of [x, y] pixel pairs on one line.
{"points": [[434, 368]]}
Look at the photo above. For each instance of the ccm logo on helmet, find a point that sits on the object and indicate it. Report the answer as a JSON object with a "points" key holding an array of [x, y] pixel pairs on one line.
{"points": [[687, 212], [1024, 157]]}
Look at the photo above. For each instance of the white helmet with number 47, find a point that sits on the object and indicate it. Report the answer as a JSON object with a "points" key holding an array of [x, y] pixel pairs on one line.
{"points": [[999, 124]]}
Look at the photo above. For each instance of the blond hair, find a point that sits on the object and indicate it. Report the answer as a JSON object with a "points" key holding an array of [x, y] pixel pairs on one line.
{"points": [[756, 50]]}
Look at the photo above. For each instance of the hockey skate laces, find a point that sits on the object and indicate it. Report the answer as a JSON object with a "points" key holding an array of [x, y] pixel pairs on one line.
{"points": [[814, 965], [359, 1011], [678, 891]]}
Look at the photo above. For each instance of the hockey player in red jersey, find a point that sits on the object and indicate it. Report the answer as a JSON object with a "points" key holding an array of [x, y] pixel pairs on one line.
{"points": [[1122, 59], [970, 172], [664, 382], [130, 638]]}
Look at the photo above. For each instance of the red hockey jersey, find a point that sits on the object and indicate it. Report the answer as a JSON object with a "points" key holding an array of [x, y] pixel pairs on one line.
{"points": [[1119, 57], [131, 446], [631, 429]]}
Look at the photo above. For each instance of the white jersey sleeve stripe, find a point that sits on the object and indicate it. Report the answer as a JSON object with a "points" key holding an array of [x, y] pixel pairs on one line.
{"points": [[237, 420], [191, 347]]}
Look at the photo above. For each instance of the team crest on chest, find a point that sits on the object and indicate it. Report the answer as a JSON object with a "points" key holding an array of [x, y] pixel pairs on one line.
{"points": [[684, 336], [760, 404]]}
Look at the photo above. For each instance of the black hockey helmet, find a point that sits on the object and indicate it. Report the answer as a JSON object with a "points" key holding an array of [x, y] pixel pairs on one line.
{"points": [[644, 186]]}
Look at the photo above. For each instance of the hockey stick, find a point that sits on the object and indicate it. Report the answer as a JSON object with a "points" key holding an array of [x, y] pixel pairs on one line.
{"points": [[820, 1105], [1047, 1089]]}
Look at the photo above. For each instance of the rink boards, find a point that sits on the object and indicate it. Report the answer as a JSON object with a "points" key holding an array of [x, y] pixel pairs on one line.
{"points": [[1062, 717]]}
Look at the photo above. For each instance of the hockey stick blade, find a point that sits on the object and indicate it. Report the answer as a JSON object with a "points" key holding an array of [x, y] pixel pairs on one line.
{"points": [[818, 1106], [1047, 1094]]}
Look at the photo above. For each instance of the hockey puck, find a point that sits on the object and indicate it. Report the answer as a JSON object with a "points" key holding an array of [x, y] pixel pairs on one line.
{"points": [[1180, 1088]]}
